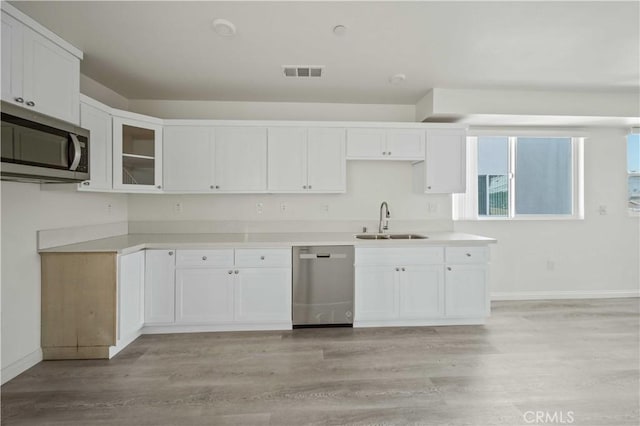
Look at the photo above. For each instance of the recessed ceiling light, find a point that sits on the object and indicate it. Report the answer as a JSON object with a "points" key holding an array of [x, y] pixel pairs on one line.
{"points": [[339, 30], [397, 79], [223, 27]]}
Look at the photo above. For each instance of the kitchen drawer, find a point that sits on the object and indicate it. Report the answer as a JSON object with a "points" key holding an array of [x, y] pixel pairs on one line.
{"points": [[467, 254], [399, 256], [263, 257], [204, 258]]}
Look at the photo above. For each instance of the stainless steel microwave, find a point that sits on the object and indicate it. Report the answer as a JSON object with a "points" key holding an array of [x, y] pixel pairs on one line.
{"points": [[42, 149]]}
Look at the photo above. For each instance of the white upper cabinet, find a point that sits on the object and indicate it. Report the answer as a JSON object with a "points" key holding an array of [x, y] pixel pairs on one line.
{"points": [[37, 73], [137, 153], [188, 158], [97, 119], [287, 163], [444, 168], [327, 165], [385, 144], [240, 159], [306, 160]]}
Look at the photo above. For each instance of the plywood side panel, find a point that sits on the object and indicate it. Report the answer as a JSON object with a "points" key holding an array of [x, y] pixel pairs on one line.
{"points": [[78, 299]]}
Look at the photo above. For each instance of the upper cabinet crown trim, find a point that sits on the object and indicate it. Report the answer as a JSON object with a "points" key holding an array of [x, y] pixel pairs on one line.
{"points": [[289, 123], [29, 22]]}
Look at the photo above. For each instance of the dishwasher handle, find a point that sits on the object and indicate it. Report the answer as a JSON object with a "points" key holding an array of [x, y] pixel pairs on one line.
{"points": [[323, 256]]}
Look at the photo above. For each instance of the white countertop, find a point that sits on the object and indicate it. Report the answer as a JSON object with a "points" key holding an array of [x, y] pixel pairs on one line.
{"points": [[134, 242]]}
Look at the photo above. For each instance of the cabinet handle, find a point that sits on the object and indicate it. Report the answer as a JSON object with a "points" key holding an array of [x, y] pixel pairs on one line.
{"points": [[448, 268], [230, 272], [204, 257], [31, 103], [19, 100], [236, 272], [170, 253]]}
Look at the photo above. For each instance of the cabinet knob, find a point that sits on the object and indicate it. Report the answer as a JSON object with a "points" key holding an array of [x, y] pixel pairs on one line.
{"points": [[389, 153], [236, 272], [230, 272], [384, 153], [86, 183], [261, 257], [217, 186], [159, 186], [19, 100], [31, 103], [170, 253], [204, 257], [448, 268], [304, 186], [212, 187], [468, 254], [403, 269], [397, 269], [309, 186], [428, 187]]}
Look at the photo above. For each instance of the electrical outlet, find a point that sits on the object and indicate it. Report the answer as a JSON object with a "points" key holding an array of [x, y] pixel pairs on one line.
{"points": [[325, 208], [602, 209], [177, 207], [259, 208], [432, 208]]}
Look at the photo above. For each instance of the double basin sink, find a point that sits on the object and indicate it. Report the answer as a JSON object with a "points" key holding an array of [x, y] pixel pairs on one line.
{"points": [[391, 237]]}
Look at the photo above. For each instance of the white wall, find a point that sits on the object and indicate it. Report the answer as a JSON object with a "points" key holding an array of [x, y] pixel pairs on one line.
{"points": [[102, 93], [599, 255], [26, 209]]}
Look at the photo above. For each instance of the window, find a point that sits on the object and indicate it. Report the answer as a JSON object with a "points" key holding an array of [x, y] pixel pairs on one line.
{"points": [[633, 170], [520, 177]]}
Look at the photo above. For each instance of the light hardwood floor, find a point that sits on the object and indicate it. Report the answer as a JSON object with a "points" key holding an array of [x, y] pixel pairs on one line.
{"points": [[575, 359]]}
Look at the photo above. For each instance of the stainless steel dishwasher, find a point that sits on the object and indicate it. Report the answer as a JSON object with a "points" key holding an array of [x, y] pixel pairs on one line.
{"points": [[323, 285]]}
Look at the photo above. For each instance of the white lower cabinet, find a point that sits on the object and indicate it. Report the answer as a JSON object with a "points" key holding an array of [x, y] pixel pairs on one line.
{"points": [[204, 295], [130, 295], [159, 290], [424, 290], [466, 291], [218, 289], [262, 294]]}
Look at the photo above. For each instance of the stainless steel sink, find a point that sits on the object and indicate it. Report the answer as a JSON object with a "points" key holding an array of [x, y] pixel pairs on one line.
{"points": [[407, 237], [391, 237]]}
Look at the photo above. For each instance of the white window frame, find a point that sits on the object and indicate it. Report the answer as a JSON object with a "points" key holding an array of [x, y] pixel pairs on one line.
{"points": [[632, 211], [465, 206]]}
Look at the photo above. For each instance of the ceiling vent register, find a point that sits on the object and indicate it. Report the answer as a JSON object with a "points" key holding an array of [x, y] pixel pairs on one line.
{"points": [[302, 70]]}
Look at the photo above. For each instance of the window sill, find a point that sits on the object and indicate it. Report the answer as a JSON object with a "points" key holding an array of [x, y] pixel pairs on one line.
{"points": [[522, 219]]}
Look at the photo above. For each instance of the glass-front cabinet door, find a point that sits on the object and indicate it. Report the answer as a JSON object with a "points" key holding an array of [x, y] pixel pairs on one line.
{"points": [[137, 155]]}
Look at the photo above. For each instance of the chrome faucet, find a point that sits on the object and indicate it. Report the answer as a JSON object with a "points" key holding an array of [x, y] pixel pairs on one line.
{"points": [[381, 227]]}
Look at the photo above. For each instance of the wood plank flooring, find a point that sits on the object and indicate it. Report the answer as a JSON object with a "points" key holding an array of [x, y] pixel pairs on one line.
{"points": [[573, 359]]}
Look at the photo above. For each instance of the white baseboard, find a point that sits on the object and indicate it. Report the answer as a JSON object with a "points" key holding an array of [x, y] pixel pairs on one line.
{"points": [[123, 343], [201, 328], [419, 323], [541, 295], [21, 365]]}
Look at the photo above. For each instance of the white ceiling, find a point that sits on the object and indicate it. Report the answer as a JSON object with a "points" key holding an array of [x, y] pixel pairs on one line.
{"points": [[167, 50]]}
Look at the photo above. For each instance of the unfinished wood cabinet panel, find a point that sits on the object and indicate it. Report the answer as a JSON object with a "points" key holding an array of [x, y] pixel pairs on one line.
{"points": [[79, 307]]}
